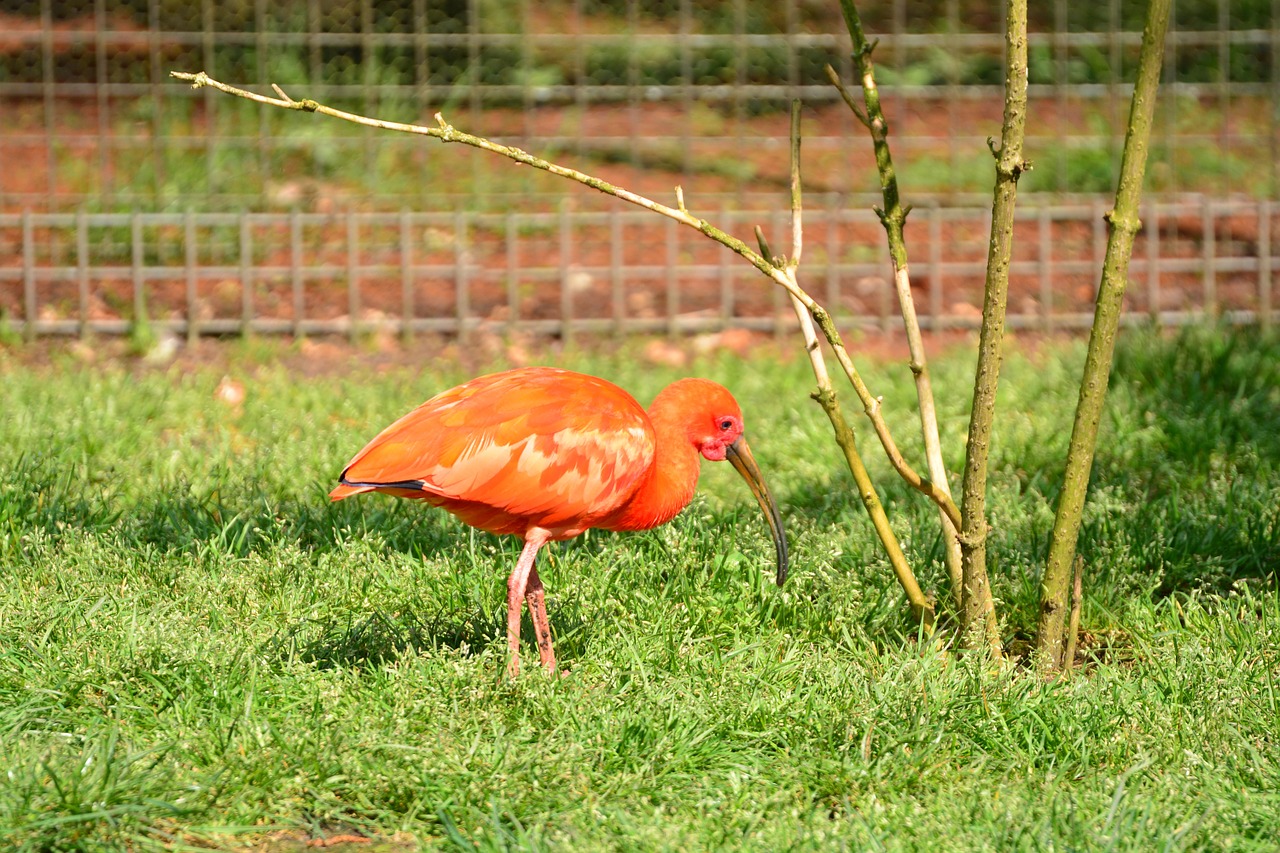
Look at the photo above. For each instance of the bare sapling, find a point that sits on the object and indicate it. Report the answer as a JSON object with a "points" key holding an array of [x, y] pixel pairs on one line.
{"points": [[1051, 639]]}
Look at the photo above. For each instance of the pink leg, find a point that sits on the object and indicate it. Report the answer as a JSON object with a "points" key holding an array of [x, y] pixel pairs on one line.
{"points": [[533, 540], [537, 601]]}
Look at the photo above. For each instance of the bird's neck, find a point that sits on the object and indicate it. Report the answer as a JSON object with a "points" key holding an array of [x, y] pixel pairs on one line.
{"points": [[672, 479]]}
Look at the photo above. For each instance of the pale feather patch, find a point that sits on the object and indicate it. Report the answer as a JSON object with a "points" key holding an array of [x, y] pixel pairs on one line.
{"points": [[615, 461], [623, 454], [478, 463]]}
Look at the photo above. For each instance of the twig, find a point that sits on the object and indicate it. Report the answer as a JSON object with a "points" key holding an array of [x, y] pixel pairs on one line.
{"points": [[849, 100], [447, 133], [893, 217], [826, 397], [1073, 624]]}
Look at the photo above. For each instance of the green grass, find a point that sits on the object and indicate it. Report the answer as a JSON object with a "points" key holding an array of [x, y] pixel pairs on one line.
{"points": [[197, 649]]}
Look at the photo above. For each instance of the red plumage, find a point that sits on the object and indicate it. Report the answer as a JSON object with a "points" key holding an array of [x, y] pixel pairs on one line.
{"points": [[545, 454]]}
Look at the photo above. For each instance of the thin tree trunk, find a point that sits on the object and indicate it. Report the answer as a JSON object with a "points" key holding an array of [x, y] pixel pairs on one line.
{"points": [[1123, 219], [978, 611], [894, 216]]}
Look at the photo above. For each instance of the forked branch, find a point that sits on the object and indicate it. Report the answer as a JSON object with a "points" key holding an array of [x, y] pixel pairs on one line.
{"points": [[446, 132], [893, 216], [921, 607]]}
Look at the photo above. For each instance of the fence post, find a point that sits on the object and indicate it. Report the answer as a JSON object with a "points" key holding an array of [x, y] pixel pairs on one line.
{"points": [[1264, 262], [1208, 243], [296, 284], [353, 276], [833, 266], [82, 270], [728, 268], [886, 289], [462, 274], [513, 279], [246, 277], [212, 126], [49, 94], [406, 280], [1099, 220], [105, 172], [935, 267], [159, 87], [189, 239], [139, 289], [1046, 267], [566, 295], [1224, 89], [778, 225], [616, 292], [673, 287], [28, 279], [1153, 265]]}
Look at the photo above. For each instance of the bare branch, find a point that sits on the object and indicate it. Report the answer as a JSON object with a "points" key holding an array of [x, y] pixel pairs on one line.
{"points": [[848, 97], [1102, 338], [763, 243], [893, 216], [978, 612], [797, 232], [448, 133], [826, 397]]}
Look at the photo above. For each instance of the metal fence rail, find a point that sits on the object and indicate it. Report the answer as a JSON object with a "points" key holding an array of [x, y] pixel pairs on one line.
{"points": [[571, 272]]}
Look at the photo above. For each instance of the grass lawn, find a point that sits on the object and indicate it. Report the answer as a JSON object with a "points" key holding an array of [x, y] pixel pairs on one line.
{"points": [[197, 649]]}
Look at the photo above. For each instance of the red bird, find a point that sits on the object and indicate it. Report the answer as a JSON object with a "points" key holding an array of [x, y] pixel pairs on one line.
{"points": [[545, 454]]}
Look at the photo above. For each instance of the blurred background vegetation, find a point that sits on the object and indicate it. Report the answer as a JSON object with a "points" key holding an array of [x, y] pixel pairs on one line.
{"points": [[670, 86]]}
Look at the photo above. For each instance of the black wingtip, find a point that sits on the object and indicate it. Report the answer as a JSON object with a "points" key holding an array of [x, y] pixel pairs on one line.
{"points": [[415, 485]]}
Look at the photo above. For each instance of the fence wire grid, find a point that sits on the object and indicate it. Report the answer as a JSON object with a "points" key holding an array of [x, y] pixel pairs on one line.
{"points": [[568, 273], [126, 194]]}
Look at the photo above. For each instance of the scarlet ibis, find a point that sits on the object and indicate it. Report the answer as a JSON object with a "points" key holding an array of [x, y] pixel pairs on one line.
{"points": [[545, 454]]}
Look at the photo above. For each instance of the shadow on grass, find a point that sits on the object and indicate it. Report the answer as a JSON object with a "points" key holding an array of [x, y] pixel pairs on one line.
{"points": [[1202, 465], [1210, 391], [229, 520], [378, 637], [1185, 496]]}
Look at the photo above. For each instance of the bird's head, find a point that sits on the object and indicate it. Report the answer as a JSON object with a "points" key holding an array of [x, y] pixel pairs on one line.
{"points": [[720, 434], [714, 423]]}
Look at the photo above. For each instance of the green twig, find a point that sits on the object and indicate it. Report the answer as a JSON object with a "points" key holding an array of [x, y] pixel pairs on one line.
{"points": [[893, 217], [921, 607]]}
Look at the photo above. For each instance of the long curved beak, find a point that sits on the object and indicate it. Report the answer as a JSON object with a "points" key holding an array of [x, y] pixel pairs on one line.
{"points": [[739, 456]]}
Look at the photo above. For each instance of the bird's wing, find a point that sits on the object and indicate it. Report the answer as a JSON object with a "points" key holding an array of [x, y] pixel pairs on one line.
{"points": [[537, 442]]}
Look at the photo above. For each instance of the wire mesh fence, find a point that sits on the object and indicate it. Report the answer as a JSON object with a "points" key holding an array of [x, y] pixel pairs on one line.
{"points": [[567, 273], [303, 225], [691, 88]]}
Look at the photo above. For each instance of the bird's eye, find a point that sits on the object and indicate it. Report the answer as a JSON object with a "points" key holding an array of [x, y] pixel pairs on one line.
{"points": [[726, 424]]}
